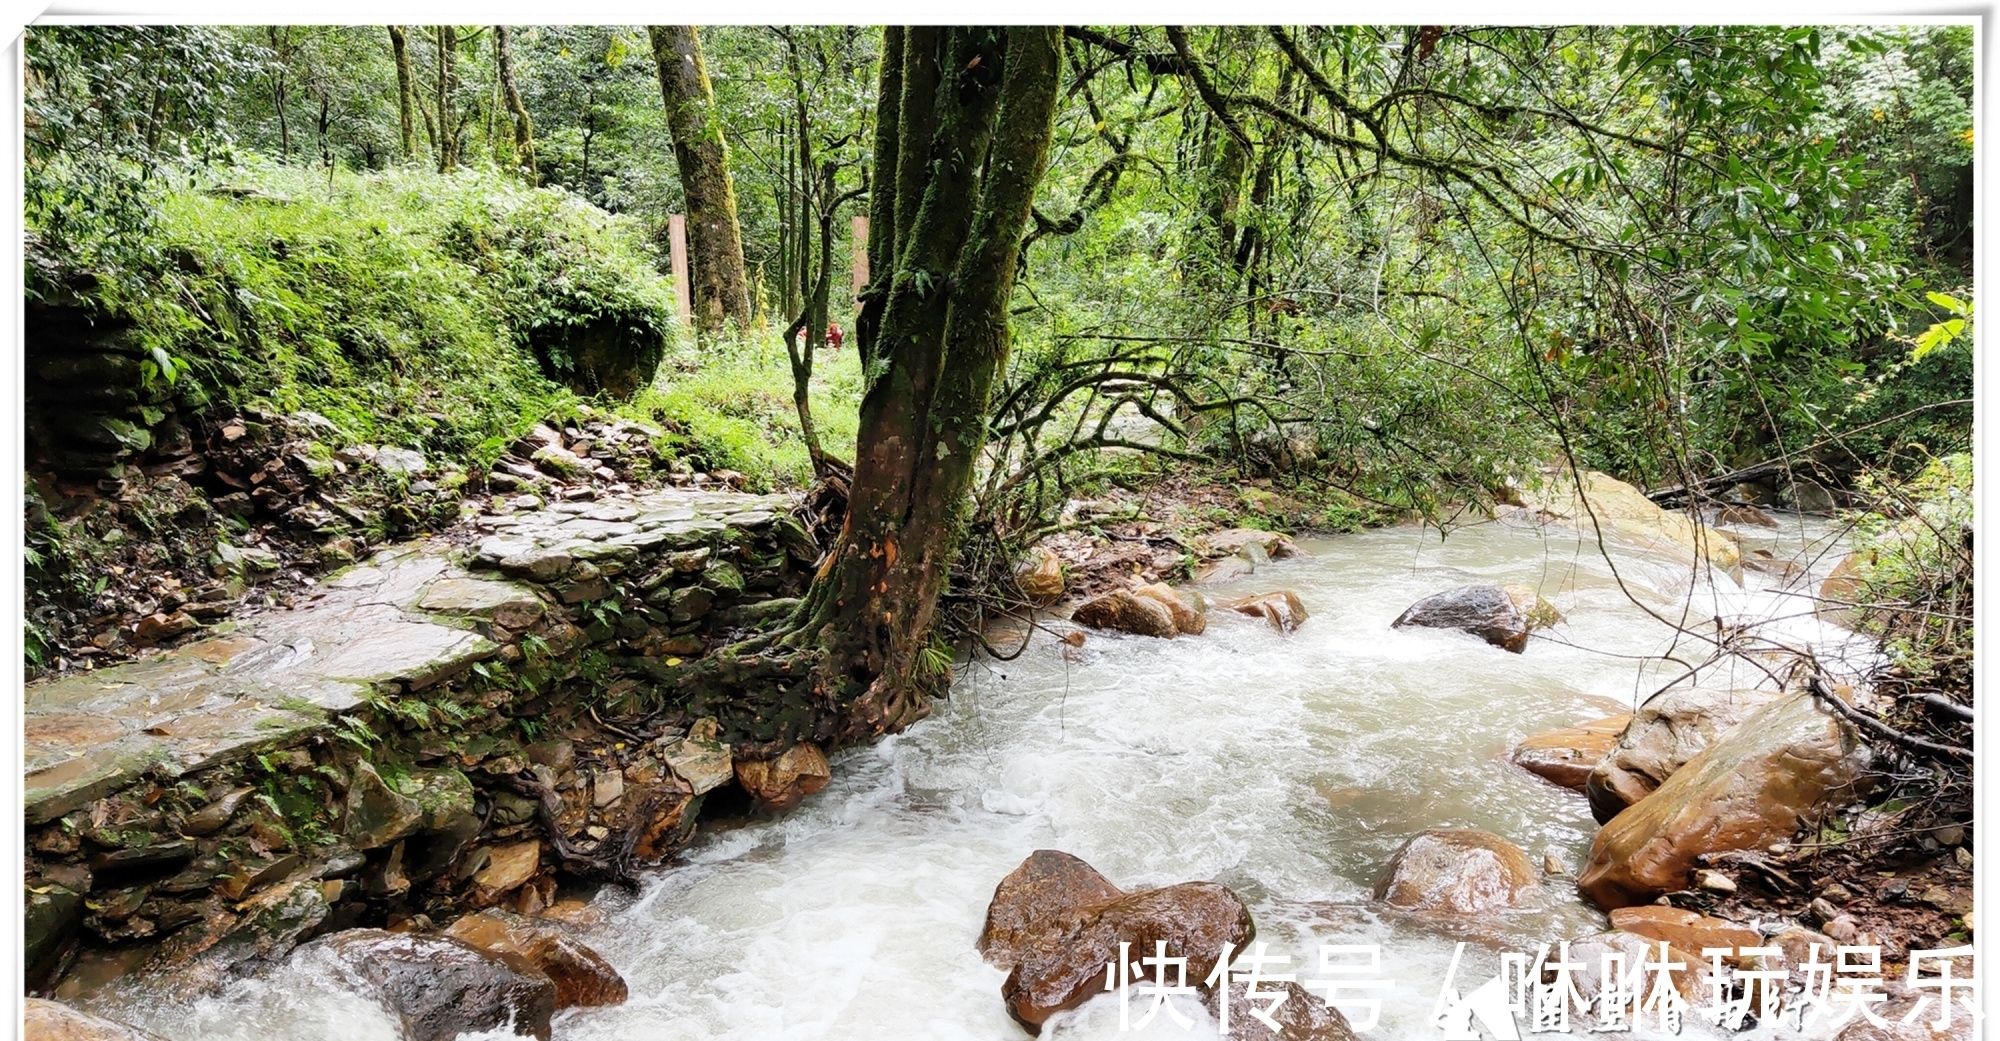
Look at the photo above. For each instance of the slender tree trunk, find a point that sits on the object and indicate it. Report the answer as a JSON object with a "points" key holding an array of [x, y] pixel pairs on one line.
{"points": [[406, 89], [715, 243], [524, 131], [965, 117], [447, 41], [280, 93]]}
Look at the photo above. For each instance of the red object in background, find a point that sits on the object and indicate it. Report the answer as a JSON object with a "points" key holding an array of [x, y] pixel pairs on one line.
{"points": [[833, 336]]}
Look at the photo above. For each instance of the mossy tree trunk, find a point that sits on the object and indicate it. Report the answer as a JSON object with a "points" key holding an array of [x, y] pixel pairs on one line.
{"points": [[447, 134], [406, 89], [964, 120], [715, 244], [524, 130]]}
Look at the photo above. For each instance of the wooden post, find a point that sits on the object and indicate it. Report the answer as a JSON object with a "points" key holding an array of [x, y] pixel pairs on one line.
{"points": [[677, 234], [860, 236]]}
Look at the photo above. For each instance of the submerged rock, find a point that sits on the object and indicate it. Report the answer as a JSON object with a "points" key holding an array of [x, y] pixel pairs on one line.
{"points": [[582, 977], [1281, 608], [439, 987], [1663, 735], [1457, 871], [782, 783], [1487, 612], [1785, 766], [55, 1021], [1567, 756]]}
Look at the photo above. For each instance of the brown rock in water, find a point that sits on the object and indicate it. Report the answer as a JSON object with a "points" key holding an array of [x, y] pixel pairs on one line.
{"points": [[1302, 1016], [582, 977], [1233, 540], [55, 1021], [1786, 765], [1567, 756], [1685, 929], [508, 868], [1186, 610], [1641, 955], [1280, 608], [1841, 591], [1040, 576], [1125, 611], [439, 987], [1745, 516], [1194, 919], [784, 782], [1664, 734], [1623, 512], [1484, 611], [1457, 871], [1038, 906]]}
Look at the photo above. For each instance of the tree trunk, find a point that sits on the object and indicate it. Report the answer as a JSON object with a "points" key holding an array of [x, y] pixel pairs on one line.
{"points": [[406, 89], [524, 131], [965, 117], [715, 243], [447, 40]]}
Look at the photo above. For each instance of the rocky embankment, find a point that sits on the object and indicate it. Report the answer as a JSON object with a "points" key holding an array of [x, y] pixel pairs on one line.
{"points": [[450, 725]]}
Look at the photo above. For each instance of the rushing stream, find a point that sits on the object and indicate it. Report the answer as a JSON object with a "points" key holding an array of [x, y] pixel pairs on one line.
{"points": [[1289, 767]]}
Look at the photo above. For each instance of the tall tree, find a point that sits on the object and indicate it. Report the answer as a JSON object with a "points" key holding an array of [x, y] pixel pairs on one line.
{"points": [[524, 131], [715, 246], [964, 120], [406, 89], [447, 143]]}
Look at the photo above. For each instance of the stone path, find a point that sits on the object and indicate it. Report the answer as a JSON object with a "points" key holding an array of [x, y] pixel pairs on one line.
{"points": [[411, 615]]}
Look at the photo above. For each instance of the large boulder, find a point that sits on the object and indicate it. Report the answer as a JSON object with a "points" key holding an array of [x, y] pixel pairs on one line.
{"points": [[1187, 610], [1488, 612], [1567, 756], [582, 977], [436, 986], [1684, 929], [1281, 609], [55, 1021], [1194, 919], [1786, 765], [1041, 904], [1125, 611], [1302, 1016], [1592, 502], [1663, 735], [1055, 922], [1457, 871], [782, 783]]}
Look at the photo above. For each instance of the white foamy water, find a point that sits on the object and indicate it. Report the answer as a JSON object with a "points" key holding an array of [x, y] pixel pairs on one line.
{"points": [[1288, 767]]}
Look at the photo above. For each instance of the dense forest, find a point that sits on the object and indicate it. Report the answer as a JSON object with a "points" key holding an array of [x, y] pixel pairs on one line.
{"points": [[299, 293]]}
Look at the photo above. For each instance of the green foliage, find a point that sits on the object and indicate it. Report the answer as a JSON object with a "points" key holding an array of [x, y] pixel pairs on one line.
{"points": [[1915, 564], [728, 405]]}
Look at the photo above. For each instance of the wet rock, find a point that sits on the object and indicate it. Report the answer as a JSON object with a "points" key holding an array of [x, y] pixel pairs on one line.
{"points": [[55, 1021], [1484, 611], [1185, 609], [1684, 929], [1539, 612], [508, 868], [1269, 544], [1281, 609], [1664, 734], [1301, 1016], [1644, 960], [508, 605], [1745, 516], [1457, 871], [704, 764], [1786, 765], [782, 783], [1194, 919], [401, 461], [52, 914], [1040, 576], [438, 987], [1227, 569], [1618, 510], [582, 977], [1039, 905], [1840, 591], [1567, 756], [1124, 611], [149, 855], [377, 814], [156, 627]]}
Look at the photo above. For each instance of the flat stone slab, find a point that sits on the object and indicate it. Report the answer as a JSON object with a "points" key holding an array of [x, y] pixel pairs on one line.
{"points": [[406, 617]]}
